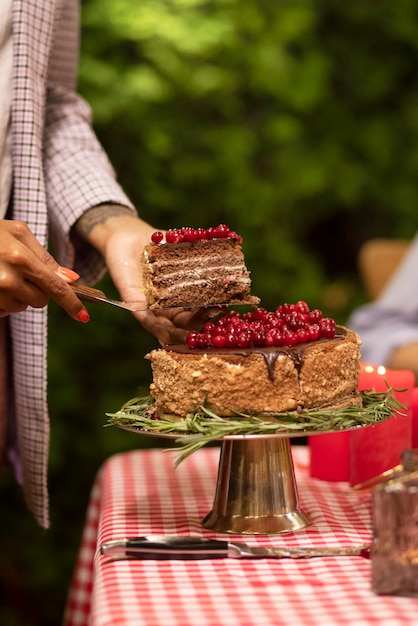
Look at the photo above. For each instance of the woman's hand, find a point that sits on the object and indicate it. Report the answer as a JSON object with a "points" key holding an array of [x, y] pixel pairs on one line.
{"points": [[172, 325], [29, 275]]}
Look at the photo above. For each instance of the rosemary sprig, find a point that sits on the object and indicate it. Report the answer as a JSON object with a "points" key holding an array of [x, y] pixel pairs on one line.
{"points": [[204, 426]]}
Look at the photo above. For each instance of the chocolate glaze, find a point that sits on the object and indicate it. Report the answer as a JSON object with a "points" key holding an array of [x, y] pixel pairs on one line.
{"points": [[270, 354]]}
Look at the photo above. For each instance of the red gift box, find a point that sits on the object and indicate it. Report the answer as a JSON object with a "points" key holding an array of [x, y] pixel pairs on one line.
{"points": [[415, 417], [357, 455], [375, 449]]}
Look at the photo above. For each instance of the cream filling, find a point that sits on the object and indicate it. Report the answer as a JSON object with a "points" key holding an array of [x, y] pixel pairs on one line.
{"points": [[223, 269], [188, 284]]}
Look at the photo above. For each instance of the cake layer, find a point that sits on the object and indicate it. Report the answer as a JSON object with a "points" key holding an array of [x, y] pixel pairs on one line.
{"points": [[190, 274], [257, 380]]}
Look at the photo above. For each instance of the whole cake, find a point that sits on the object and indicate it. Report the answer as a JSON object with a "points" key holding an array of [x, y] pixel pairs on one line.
{"points": [[261, 362], [192, 267]]}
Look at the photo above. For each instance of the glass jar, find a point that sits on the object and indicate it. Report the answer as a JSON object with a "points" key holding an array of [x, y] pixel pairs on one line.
{"points": [[395, 531]]}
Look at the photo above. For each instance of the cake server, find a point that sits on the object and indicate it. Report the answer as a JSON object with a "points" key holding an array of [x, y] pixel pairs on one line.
{"points": [[174, 547], [89, 294]]}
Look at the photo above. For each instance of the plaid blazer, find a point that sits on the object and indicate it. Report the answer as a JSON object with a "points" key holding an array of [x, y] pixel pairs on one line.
{"points": [[59, 171]]}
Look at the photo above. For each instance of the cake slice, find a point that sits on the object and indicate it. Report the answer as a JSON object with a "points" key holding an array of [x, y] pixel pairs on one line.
{"points": [[194, 268]]}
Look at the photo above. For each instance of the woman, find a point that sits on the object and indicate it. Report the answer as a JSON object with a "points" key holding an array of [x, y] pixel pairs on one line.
{"points": [[57, 188]]}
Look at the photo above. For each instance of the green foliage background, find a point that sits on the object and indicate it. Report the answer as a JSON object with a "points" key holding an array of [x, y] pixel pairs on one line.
{"points": [[293, 121]]}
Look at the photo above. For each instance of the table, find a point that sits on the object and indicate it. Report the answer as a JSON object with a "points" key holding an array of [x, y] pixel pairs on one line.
{"points": [[140, 492]]}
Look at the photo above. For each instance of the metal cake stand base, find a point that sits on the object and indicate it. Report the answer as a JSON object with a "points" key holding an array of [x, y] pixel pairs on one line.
{"points": [[256, 490]]}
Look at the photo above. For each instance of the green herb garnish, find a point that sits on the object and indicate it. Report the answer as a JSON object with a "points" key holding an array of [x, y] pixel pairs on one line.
{"points": [[205, 426]]}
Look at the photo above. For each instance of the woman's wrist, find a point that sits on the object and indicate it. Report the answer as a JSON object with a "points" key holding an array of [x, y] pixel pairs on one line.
{"points": [[98, 223]]}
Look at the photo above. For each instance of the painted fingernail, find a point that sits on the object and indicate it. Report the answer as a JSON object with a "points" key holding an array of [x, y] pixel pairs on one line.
{"points": [[70, 274], [83, 316]]}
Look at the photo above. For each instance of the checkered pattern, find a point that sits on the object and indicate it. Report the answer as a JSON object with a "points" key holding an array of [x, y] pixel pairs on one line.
{"points": [[59, 171], [139, 493]]}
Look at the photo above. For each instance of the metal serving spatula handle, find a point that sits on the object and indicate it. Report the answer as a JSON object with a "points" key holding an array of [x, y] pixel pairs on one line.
{"points": [[166, 547]]}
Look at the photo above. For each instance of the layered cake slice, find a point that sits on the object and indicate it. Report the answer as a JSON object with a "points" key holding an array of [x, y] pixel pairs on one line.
{"points": [[261, 362], [195, 267]]}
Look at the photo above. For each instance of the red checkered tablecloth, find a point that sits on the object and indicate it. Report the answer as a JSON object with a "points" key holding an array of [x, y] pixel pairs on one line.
{"points": [[140, 493]]}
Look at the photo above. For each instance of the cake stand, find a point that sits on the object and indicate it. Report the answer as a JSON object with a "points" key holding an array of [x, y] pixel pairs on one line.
{"points": [[256, 491]]}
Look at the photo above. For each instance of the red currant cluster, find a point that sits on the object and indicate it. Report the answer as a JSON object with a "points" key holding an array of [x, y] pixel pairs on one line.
{"points": [[177, 235], [288, 325]]}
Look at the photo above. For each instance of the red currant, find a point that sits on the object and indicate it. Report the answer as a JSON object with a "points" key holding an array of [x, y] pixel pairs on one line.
{"points": [[200, 233], [243, 339], [313, 332], [203, 340], [191, 339], [302, 335], [157, 237], [209, 327], [315, 316], [189, 234], [301, 307], [218, 341], [260, 314], [278, 339], [289, 338], [172, 236], [270, 338], [326, 329], [233, 235], [295, 323], [231, 340], [222, 231], [275, 322], [257, 338]]}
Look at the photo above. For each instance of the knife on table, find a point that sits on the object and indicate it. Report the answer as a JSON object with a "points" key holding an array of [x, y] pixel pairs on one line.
{"points": [[174, 547]]}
